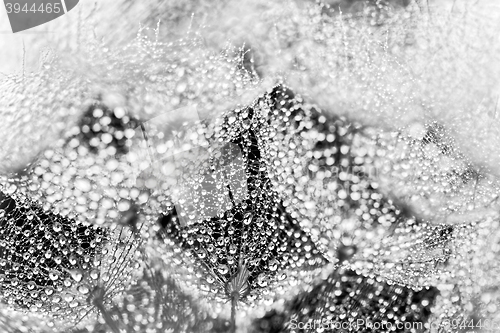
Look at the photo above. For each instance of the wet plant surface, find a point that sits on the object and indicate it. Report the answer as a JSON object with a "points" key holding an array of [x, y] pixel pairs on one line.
{"points": [[314, 181]]}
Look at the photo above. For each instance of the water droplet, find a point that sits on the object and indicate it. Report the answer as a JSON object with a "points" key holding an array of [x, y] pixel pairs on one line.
{"points": [[83, 289], [54, 275], [273, 265], [83, 185], [57, 227], [223, 269], [261, 280], [76, 274]]}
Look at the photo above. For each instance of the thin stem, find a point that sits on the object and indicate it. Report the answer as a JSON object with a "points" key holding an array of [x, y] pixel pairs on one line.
{"points": [[24, 59], [150, 152], [234, 301]]}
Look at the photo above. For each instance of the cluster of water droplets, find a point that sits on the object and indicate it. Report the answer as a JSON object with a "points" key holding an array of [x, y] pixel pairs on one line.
{"points": [[52, 264], [313, 202]]}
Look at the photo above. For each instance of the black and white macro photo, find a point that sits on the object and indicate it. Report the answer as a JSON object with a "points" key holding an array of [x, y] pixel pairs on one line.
{"points": [[263, 166]]}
